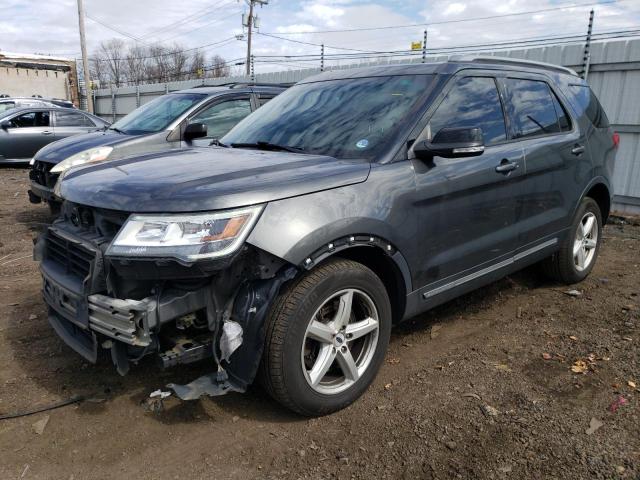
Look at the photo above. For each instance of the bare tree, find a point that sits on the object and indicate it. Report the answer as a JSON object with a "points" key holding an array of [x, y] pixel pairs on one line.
{"points": [[136, 64], [113, 54], [196, 65], [219, 67], [116, 63]]}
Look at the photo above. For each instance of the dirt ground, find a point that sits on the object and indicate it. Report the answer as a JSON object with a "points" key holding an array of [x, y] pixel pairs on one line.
{"points": [[479, 388]]}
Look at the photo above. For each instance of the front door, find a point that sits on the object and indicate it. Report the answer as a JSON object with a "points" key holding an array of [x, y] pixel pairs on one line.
{"points": [[27, 133], [466, 204], [220, 117]]}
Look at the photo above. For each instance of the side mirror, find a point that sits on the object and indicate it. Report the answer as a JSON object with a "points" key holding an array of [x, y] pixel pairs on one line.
{"points": [[194, 130], [452, 143], [5, 125]]}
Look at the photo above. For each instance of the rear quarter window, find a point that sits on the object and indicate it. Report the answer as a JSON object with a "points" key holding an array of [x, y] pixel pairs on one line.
{"points": [[586, 103]]}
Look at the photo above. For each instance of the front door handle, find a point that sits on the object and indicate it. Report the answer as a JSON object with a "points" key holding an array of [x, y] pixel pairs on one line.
{"points": [[577, 149], [47, 132], [506, 166]]}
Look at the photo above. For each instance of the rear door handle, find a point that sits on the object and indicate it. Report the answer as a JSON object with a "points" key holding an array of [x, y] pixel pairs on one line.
{"points": [[506, 166], [578, 149], [47, 132]]}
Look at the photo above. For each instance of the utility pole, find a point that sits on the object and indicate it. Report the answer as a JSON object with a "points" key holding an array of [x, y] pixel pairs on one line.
{"points": [[85, 61], [249, 23], [586, 59], [322, 58]]}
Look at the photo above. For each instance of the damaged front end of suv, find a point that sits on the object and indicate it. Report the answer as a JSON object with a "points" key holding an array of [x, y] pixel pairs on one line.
{"points": [[181, 287]]}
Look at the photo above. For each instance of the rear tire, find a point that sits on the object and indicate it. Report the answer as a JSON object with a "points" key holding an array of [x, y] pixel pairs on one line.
{"points": [[326, 338], [579, 251]]}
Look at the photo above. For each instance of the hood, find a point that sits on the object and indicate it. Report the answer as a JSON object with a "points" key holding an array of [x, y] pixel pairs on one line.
{"points": [[62, 149], [209, 178]]}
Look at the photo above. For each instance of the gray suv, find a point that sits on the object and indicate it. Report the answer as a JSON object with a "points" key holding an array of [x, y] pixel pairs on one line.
{"points": [[353, 201], [196, 116]]}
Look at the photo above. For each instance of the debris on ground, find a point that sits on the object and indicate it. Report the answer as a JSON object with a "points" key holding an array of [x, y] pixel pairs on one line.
{"points": [[617, 403], [472, 395], [631, 383], [573, 293], [547, 356], [489, 411], [40, 425], [594, 425], [579, 366], [159, 394]]}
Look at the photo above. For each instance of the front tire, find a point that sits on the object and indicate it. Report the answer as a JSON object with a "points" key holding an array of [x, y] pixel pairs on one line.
{"points": [[326, 338], [579, 251]]}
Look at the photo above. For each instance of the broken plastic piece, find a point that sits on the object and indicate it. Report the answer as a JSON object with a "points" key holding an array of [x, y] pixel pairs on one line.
{"points": [[230, 340], [213, 384], [159, 393]]}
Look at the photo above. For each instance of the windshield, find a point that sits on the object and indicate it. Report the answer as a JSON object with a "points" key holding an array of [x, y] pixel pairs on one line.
{"points": [[349, 118], [158, 114]]}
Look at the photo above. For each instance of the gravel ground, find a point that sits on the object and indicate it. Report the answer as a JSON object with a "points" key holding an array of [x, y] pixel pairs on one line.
{"points": [[481, 387]]}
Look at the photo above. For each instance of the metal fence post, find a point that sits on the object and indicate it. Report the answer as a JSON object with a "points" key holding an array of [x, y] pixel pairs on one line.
{"points": [[424, 47], [322, 58], [113, 105], [586, 59]]}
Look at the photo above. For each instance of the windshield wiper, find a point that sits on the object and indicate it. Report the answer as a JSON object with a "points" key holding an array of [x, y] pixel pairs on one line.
{"points": [[268, 146], [115, 129], [218, 143]]}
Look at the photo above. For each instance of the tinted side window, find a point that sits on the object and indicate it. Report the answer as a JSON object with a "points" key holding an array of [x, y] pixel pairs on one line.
{"points": [[262, 100], [72, 119], [7, 106], [31, 119], [588, 104], [222, 117], [472, 102], [531, 108], [563, 117]]}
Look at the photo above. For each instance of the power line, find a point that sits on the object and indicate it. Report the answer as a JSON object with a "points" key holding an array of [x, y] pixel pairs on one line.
{"points": [[186, 19], [470, 19], [117, 30], [217, 20], [445, 50], [510, 44]]}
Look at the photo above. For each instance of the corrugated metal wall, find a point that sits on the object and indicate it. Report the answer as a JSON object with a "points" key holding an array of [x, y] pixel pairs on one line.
{"points": [[614, 76]]}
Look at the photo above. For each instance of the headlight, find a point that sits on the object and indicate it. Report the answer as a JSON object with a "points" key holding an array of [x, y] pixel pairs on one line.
{"points": [[31, 162], [185, 237], [88, 156]]}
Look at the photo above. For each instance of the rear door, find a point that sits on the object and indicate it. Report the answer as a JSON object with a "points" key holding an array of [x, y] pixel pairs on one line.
{"points": [[68, 123], [220, 116], [27, 133], [556, 158], [466, 205]]}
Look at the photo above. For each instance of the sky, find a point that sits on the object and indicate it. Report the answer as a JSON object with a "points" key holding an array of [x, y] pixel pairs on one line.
{"points": [[51, 27]]}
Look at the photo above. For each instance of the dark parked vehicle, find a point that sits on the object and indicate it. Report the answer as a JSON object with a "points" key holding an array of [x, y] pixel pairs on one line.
{"points": [[353, 201], [196, 116], [24, 131]]}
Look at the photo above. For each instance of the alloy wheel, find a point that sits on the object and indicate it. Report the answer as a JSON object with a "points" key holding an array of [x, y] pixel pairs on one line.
{"points": [[586, 241], [340, 341]]}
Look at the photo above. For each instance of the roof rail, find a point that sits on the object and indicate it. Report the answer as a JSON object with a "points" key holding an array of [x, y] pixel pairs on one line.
{"points": [[510, 61], [246, 84]]}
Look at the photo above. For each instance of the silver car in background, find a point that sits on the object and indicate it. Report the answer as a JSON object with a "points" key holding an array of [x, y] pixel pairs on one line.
{"points": [[24, 131]]}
